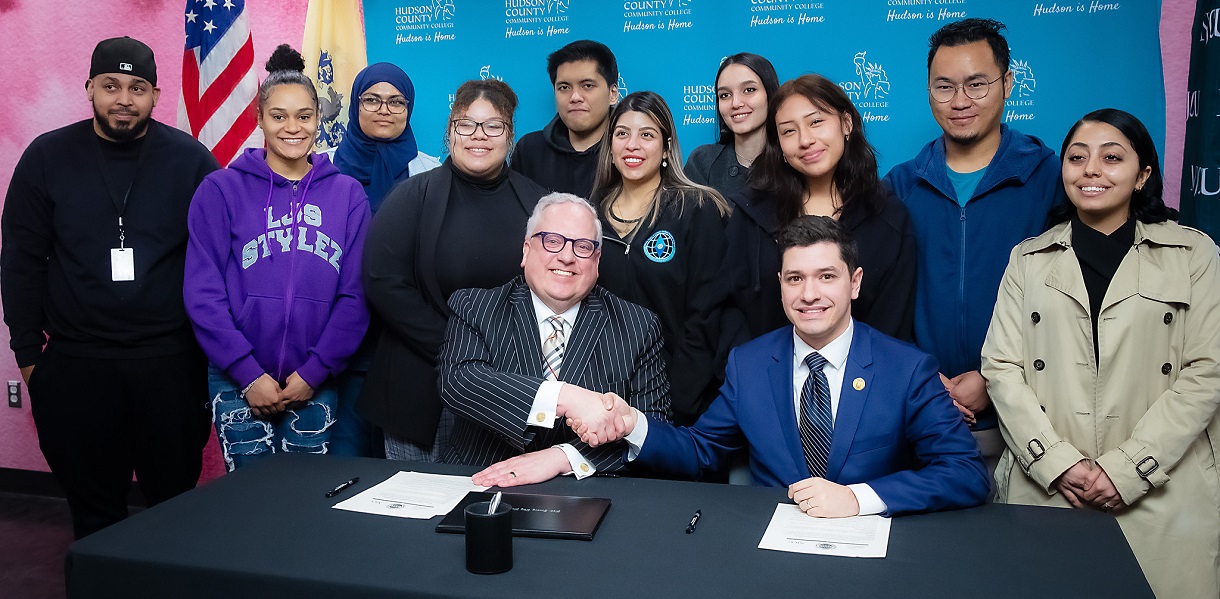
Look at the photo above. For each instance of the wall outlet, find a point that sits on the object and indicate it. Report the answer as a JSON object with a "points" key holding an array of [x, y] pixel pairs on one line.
{"points": [[14, 394]]}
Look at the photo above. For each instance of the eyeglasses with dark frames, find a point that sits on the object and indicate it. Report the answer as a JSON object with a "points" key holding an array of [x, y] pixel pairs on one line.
{"points": [[554, 242], [467, 127], [371, 103], [975, 89]]}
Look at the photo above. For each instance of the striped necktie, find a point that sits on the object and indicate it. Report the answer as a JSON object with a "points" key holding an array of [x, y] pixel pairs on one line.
{"points": [[552, 347], [816, 426]]}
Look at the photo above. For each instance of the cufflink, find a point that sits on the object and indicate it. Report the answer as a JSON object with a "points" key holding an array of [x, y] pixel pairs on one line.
{"points": [[541, 417], [858, 384], [584, 467]]}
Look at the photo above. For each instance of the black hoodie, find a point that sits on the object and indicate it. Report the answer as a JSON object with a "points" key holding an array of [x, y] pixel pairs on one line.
{"points": [[547, 157]]}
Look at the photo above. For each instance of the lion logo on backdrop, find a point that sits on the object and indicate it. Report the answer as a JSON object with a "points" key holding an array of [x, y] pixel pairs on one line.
{"points": [[660, 247], [557, 6], [622, 89], [874, 83], [330, 129], [1023, 82]]}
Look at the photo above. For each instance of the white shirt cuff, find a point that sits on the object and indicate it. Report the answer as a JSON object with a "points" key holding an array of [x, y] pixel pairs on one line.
{"points": [[635, 439], [581, 468], [546, 400], [870, 503]]}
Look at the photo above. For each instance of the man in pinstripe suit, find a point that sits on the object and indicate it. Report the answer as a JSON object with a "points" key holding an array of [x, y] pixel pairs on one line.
{"points": [[519, 358]]}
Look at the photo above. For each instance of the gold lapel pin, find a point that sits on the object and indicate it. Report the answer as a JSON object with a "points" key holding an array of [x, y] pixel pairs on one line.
{"points": [[858, 384]]}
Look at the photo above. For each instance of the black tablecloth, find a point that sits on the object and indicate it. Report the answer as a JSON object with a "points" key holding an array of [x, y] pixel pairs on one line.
{"points": [[268, 531]]}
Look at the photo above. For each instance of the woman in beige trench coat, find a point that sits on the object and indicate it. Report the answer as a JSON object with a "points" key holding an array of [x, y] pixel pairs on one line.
{"points": [[1127, 424]]}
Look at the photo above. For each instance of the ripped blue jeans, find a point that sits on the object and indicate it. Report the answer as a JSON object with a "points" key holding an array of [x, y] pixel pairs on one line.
{"points": [[244, 438]]}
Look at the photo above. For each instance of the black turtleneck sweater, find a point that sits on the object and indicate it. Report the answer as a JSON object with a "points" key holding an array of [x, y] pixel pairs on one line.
{"points": [[1099, 256], [483, 218]]}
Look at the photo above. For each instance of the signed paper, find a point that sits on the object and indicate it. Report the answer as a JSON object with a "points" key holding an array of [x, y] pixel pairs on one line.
{"points": [[412, 495], [859, 536]]}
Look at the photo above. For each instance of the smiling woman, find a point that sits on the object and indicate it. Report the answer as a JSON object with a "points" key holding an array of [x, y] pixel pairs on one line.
{"points": [[453, 227], [817, 161], [664, 242], [744, 83], [1128, 408], [273, 278]]}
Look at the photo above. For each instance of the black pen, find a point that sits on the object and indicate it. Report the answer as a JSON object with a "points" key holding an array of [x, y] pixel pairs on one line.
{"points": [[693, 521], [339, 489]]}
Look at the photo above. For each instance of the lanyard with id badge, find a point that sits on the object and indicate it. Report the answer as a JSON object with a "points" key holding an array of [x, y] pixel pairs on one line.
{"points": [[122, 258]]}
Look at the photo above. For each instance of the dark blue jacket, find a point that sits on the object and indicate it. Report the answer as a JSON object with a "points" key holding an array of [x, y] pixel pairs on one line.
{"points": [[963, 251], [895, 430]]}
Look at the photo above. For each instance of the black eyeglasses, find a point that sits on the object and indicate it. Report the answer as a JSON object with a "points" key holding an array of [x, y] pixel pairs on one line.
{"points": [[371, 103], [554, 242], [492, 128], [976, 89]]}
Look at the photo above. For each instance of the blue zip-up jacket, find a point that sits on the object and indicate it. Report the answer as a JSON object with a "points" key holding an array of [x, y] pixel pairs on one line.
{"points": [[963, 251]]}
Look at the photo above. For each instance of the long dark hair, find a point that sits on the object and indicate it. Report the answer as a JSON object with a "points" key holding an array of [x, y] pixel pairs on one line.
{"points": [[1147, 206], [609, 182], [855, 176], [766, 76]]}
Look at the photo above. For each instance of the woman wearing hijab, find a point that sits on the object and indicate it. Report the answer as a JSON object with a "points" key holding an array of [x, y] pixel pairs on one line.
{"points": [[379, 150]]}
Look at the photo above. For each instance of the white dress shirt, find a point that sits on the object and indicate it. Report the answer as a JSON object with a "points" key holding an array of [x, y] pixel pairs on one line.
{"points": [[546, 400]]}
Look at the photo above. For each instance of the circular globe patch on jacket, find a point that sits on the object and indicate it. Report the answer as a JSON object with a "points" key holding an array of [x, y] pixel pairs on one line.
{"points": [[660, 247]]}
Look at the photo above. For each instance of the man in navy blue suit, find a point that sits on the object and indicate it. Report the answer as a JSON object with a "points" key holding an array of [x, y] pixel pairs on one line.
{"points": [[850, 420]]}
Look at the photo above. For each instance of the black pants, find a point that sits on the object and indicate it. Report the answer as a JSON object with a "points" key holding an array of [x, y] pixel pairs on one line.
{"points": [[98, 420]]}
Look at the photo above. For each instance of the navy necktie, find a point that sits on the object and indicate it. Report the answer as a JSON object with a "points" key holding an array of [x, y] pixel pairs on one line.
{"points": [[817, 426]]}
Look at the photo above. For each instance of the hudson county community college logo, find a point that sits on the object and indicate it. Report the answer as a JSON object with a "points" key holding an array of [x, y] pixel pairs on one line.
{"points": [[1020, 104], [660, 247], [1023, 82], [870, 89], [485, 73], [535, 18], [423, 20], [698, 104]]}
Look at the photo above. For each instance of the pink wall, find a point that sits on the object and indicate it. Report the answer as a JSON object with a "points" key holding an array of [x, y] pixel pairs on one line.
{"points": [[47, 62], [1177, 19]]}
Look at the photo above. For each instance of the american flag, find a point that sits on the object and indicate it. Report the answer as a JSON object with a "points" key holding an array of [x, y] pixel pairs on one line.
{"points": [[219, 83]]}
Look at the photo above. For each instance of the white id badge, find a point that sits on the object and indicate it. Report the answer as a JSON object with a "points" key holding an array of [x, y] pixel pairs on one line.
{"points": [[122, 264]]}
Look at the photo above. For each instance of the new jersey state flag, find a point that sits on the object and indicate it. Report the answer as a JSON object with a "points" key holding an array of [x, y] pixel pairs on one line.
{"points": [[334, 53]]}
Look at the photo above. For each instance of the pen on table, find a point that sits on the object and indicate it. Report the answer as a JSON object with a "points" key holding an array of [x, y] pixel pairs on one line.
{"points": [[693, 521], [495, 503], [339, 489]]}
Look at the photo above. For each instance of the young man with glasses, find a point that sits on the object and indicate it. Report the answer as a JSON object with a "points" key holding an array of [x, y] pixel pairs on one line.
{"points": [[563, 155], [520, 358], [973, 194]]}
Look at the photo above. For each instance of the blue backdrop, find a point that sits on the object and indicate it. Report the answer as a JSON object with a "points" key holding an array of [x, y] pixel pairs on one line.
{"points": [[1068, 58]]}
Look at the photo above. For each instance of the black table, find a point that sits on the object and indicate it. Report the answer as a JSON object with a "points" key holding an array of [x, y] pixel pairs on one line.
{"points": [[268, 531]]}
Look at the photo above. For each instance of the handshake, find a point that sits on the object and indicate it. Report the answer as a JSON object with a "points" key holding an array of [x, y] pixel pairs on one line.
{"points": [[596, 417]]}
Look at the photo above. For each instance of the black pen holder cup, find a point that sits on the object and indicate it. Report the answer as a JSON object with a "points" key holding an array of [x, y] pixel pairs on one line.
{"points": [[489, 538]]}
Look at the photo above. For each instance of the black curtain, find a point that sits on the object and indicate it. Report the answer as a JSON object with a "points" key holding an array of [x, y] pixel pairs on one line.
{"points": [[1200, 205]]}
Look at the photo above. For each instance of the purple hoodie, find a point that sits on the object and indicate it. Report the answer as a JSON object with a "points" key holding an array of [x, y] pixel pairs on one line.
{"points": [[273, 270]]}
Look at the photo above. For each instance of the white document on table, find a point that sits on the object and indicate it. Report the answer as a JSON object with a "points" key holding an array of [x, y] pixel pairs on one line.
{"points": [[412, 495], [859, 536]]}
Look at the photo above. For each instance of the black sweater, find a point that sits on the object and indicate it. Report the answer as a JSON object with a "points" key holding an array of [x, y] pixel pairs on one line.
{"points": [[679, 284], [59, 225]]}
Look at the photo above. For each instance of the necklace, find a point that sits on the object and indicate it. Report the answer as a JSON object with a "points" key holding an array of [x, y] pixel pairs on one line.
{"points": [[625, 221]]}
